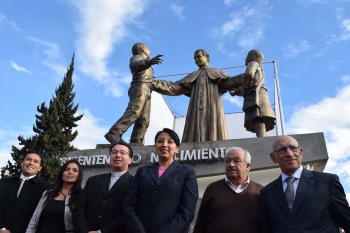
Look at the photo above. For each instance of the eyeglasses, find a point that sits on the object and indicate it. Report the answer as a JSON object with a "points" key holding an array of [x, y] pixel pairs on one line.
{"points": [[283, 149], [30, 160], [122, 152]]}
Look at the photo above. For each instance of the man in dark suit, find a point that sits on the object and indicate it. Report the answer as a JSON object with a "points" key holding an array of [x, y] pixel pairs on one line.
{"points": [[20, 194], [99, 208], [301, 200]]}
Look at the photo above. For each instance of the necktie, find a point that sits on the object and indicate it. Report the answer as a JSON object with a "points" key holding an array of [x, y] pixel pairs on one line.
{"points": [[23, 179], [290, 192]]}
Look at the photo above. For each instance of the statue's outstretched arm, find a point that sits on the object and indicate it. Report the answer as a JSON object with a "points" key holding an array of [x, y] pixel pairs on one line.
{"points": [[232, 82], [169, 88]]}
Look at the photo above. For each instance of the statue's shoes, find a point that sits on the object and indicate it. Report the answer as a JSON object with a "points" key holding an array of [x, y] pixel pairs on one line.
{"points": [[113, 138]]}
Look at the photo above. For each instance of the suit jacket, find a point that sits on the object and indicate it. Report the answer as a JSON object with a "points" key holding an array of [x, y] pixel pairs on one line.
{"points": [[320, 205], [15, 212], [165, 204], [99, 208]]}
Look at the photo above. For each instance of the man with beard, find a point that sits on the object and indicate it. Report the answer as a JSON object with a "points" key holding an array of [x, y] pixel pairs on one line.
{"points": [[231, 204]]}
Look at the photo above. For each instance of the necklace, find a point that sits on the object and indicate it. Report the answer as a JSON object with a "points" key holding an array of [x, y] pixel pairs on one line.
{"points": [[64, 195]]}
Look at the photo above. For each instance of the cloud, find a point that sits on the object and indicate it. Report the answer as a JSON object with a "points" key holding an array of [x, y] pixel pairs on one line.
{"points": [[345, 78], [234, 99], [59, 69], [344, 25], [10, 22], [295, 50], [229, 2], [178, 11], [18, 68], [309, 2], [330, 116], [90, 132], [50, 49], [9, 137], [245, 27], [100, 26]]}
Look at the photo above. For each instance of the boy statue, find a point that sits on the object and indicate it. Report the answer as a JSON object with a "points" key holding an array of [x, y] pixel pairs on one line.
{"points": [[139, 107]]}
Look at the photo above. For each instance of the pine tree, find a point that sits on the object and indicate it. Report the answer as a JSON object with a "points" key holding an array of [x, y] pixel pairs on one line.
{"points": [[53, 130]]}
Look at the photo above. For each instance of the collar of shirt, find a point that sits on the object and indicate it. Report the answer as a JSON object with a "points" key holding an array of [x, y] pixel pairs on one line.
{"points": [[29, 177], [296, 174], [240, 187], [118, 174]]}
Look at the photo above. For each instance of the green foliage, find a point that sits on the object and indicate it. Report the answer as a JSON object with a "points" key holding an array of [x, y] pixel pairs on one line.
{"points": [[53, 130]]}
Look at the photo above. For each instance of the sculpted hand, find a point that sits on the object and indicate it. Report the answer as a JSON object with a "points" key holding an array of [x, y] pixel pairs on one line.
{"points": [[156, 60], [233, 93], [93, 232], [237, 92]]}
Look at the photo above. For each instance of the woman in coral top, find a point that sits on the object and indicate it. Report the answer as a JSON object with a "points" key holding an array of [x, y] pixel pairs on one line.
{"points": [[162, 196]]}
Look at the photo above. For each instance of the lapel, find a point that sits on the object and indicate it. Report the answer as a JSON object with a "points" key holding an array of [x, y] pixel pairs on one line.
{"points": [[153, 171], [280, 197], [174, 167], [305, 183], [104, 183], [17, 182], [122, 181]]}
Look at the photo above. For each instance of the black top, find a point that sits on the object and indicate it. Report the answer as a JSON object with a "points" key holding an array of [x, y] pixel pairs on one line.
{"points": [[52, 218]]}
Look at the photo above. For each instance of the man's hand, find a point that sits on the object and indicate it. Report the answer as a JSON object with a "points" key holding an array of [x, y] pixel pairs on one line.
{"points": [[156, 60], [4, 231]]}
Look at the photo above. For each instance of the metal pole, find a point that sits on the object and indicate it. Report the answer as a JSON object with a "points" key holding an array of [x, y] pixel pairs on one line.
{"points": [[279, 97]]}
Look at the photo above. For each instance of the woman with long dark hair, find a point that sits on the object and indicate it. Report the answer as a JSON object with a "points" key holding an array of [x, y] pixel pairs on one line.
{"points": [[162, 196], [54, 211]]}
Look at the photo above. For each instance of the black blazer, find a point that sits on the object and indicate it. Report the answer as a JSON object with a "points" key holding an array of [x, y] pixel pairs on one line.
{"points": [[320, 205], [166, 204], [16, 212], [99, 208]]}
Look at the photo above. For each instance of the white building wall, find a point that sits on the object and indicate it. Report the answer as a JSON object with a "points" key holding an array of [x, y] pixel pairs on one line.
{"points": [[161, 117]]}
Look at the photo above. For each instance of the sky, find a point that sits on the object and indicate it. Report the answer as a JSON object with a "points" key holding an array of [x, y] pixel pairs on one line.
{"points": [[308, 39]]}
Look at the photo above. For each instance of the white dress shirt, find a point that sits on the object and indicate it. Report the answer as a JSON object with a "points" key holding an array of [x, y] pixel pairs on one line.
{"points": [[240, 188], [297, 175]]}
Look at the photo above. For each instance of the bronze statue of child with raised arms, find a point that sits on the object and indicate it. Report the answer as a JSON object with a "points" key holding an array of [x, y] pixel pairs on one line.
{"points": [[259, 116], [139, 107]]}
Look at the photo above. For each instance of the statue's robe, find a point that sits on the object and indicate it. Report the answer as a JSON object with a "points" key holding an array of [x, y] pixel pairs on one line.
{"points": [[205, 119]]}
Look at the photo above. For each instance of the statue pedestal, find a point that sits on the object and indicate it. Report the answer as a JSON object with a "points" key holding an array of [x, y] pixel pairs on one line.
{"points": [[207, 158]]}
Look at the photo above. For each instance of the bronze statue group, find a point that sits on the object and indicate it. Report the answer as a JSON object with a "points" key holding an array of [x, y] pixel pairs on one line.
{"points": [[205, 118], [162, 197]]}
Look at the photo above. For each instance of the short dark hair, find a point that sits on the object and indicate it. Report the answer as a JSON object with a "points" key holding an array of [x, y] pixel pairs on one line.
{"points": [[172, 134], [131, 152], [204, 53], [255, 55], [136, 48], [35, 152]]}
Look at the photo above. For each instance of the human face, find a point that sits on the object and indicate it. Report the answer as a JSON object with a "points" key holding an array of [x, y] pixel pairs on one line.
{"points": [[236, 168], [31, 165], [120, 158], [166, 147], [71, 173], [200, 59], [146, 51], [287, 154]]}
